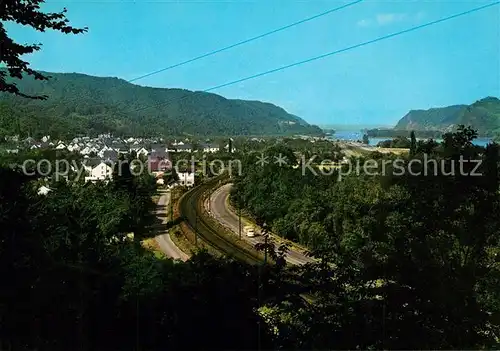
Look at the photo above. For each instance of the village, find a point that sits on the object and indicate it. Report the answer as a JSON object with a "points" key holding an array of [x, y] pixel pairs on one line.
{"points": [[98, 156]]}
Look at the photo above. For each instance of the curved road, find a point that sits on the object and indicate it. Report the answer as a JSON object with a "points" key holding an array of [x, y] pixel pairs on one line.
{"points": [[217, 207], [166, 244]]}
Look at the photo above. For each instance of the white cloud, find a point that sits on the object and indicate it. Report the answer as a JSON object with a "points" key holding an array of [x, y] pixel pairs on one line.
{"points": [[420, 15], [383, 19], [364, 23], [388, 18]]}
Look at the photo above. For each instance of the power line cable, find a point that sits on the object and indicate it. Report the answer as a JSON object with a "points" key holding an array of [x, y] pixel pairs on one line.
{"points": [[326, 55], [247, 40], [352, 47], [240, 43]]}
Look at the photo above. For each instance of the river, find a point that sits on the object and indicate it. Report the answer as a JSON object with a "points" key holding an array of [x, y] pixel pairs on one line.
{"points": [[358, 135]]}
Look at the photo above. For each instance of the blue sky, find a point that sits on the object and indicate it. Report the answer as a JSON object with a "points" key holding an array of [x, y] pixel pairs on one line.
{"points": [[449, 63]]}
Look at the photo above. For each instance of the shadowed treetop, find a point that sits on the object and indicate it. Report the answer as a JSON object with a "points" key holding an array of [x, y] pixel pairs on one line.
{"points": [[26, 13]]}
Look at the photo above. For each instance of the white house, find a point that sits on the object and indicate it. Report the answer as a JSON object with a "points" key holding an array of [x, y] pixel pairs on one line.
{"points": [[85, 151], [60, 146], [104, 149], [233, 149], [100, 172], [89, 166], [73, 147], [122, 149], [43, 190], [184, 148], [142, 151], [210, 148], [186, 178]]}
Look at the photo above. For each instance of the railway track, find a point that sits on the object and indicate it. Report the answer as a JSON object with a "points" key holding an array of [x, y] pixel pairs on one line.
{"points": [[191, 205], [191, 209]]}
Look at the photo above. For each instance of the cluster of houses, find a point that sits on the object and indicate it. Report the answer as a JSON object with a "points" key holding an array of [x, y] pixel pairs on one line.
{"points": [[156, 162], [154, 159], [88, 146], [102, 153]]}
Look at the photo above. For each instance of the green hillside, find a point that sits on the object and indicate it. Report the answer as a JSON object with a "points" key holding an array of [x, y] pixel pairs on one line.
{"points": [[483, 115], [82, 104]]}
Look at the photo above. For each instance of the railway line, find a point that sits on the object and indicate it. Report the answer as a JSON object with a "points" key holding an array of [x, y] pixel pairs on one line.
{"points": [[191, 207]]}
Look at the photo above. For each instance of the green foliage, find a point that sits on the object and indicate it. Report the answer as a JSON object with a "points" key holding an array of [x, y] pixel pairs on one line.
{"points": [[27, 13], [282, 197], [72, 279], [366, 139], [170, 176], [413, 143], [409, 261], [397, 142], [403, 262], [81, 104]]}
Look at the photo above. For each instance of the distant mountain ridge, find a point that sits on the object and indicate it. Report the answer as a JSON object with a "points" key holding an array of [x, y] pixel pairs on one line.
{"points": [[483, 115], [83, 104]]}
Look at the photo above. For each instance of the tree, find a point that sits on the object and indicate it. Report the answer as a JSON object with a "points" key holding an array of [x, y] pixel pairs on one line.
{"points": [[407, 261], [366, 140], [170, 177], [27, 13], [460, 142], [69, 247], [122, 175], [397, 142], [413, 143]]}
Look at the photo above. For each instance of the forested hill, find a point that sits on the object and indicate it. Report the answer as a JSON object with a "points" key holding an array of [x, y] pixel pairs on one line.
{"points": [[82, 104], [483, 115]]}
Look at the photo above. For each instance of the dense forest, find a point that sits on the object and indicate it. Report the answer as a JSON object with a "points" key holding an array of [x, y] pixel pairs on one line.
{"points": [[483, 115], [404, 262], [420, 250], [397, 142], [82, 104]]}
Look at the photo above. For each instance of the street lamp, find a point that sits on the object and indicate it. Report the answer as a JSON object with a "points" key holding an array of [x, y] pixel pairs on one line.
{"points": [[239, 215], [264, 229]]}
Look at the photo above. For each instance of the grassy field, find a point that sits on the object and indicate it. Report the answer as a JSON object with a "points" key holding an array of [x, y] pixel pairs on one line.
{"points": [[155, 198], [357, 151], [396, 151], [181, 241], [151, 245], [180, 234]]}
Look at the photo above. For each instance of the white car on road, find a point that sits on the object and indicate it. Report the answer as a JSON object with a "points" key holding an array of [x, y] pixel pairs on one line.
{"points": [[250, 231]]}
